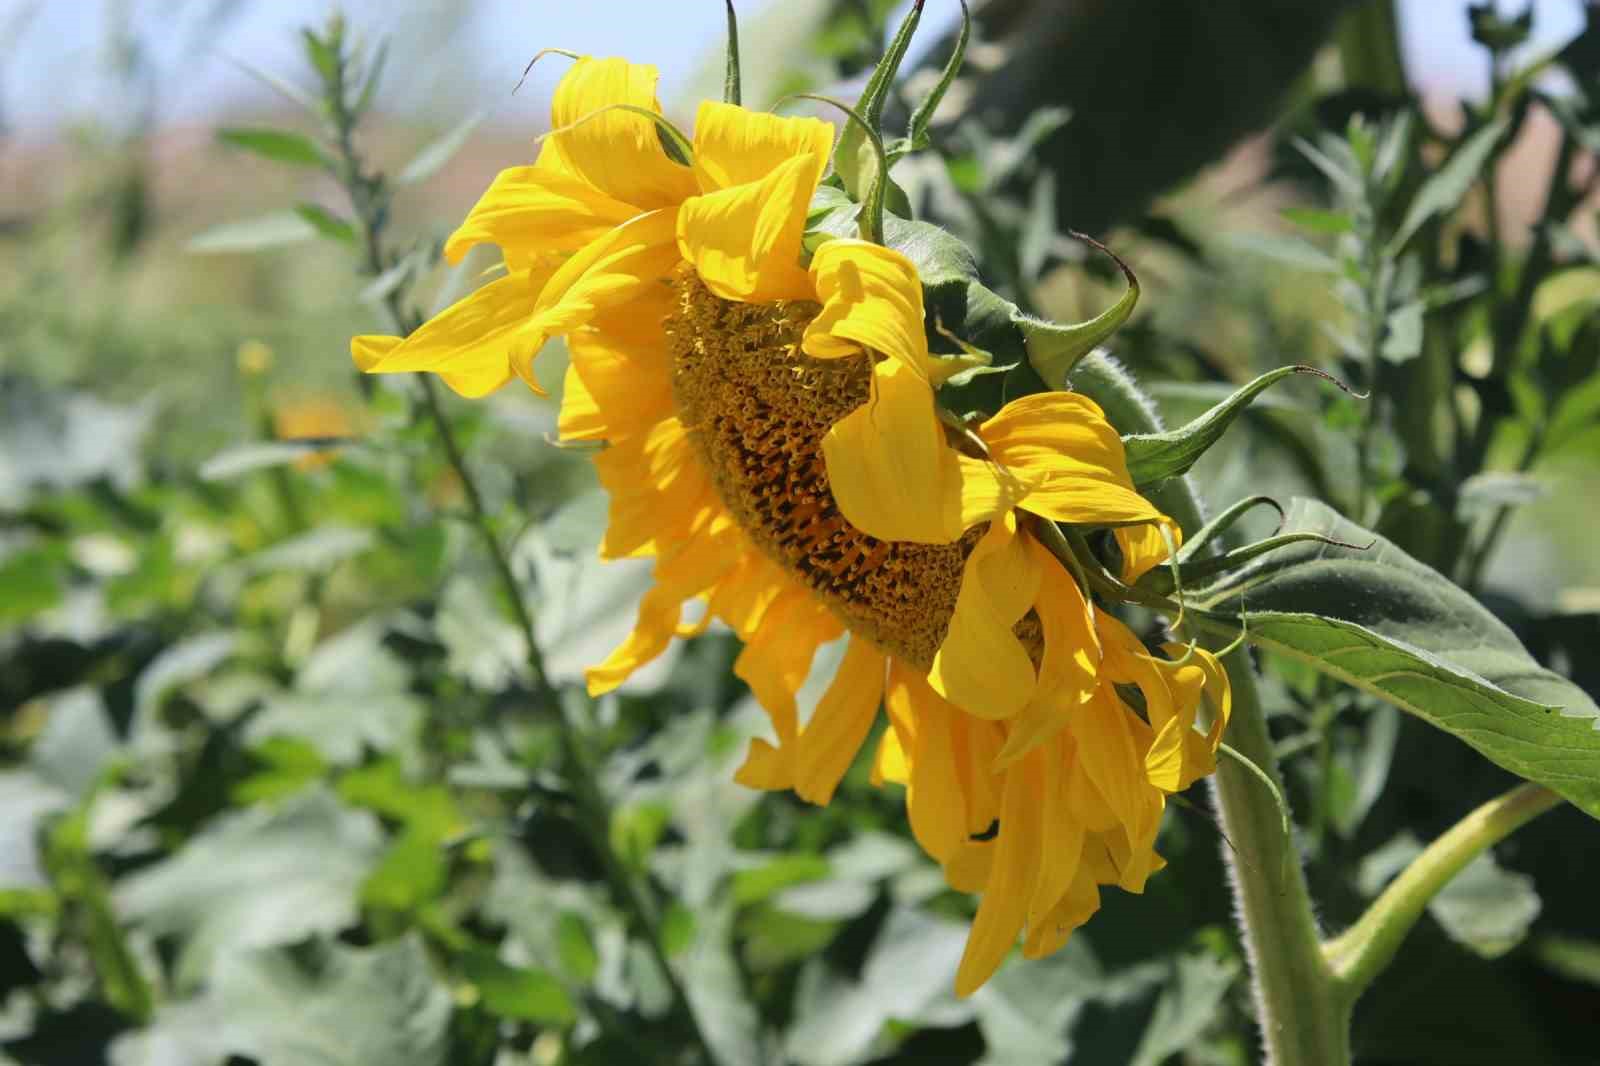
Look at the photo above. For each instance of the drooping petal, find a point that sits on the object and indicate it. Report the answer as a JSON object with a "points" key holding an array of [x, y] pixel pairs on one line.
{"points": [[617, 152], [1062, 843], [871, 298], [975, 744], [774, 663], [658, 490], [935, 799], [987, 489], [744, 597], [757, 174], [830, 740], [733, 146], [744, 242], [1061, 443], [1075, 907], [611, 392], [1068, 672], [691, 570], [623, 265], [1004, 907], [534, 211], [982, 667], [469, 343], [1145, 546], [890, 762], [889, 467]]}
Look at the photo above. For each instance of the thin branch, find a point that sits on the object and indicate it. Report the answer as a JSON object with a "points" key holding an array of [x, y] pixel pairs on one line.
{"points": [[1366, 948]]}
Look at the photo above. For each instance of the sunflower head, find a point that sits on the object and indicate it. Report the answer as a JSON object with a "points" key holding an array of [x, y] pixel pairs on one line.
{"points": [[780, 430]]}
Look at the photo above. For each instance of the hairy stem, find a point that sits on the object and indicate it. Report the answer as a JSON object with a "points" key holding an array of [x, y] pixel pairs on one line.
{"points": [[1304, 1022], [1366, 948]]}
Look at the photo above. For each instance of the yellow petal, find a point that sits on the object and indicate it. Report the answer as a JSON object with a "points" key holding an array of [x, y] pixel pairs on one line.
{"points": [[533, 211], [745, 241], [843, 717], [469, 343], [733, 146], [1144, 547], [618, 152], [776, 659], [871, 298], [765, 767], [609, 393], [891, 473], [658, 489], [1075, 907], [1004, 907], [968, 870], [694, 568], [982, 667], [1061, 443], [935, 799], [975, 744], [757, 174], [890, 762], [1062, 843], [743, 598], [624, 265], [369, 350], [1069, 670], [1111, 755], [987, 489]]}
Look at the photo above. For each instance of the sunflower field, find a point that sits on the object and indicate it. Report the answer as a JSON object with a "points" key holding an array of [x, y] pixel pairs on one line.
{"points": [[992, 532]]}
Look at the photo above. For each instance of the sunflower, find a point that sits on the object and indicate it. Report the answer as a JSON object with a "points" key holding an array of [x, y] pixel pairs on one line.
{"points": [[773, 440]]}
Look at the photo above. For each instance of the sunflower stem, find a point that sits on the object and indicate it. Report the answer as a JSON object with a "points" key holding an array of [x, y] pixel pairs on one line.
{"points": [[631, 891], [1363, 951], [1303, 1013]]}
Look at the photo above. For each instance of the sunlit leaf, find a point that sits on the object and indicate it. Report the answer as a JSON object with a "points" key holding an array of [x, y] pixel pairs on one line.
{"points": [[1399, 629]]}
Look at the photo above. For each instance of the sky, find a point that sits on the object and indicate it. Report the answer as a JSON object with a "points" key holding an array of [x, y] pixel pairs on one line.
{"points": [[52, 50]]}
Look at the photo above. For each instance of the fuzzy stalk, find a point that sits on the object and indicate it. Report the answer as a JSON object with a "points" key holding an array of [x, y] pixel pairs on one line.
{"points": [[1304, 1020]]}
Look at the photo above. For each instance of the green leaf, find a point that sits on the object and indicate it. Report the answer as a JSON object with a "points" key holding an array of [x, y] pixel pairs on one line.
{"points": [[412, 871], [854, 160], [1398, 629], [517, 992], [1188, 1005], [1290, 251], [1446, 186], [758, 883], [432, 159], [1053, 349], [1485, 908], [575, 946], [731, 92], [250, 235], [1318, 220], [326, 223], [922, 117], [31, 581], [1154, 457], [255, 878], [248, 458], [280, 146], [355, 1007], [1402, 340]]}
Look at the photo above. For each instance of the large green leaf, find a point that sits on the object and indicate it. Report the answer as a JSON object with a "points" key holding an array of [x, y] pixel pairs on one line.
{"points": [[358, 1006], [1399, 629], [256, 878]]}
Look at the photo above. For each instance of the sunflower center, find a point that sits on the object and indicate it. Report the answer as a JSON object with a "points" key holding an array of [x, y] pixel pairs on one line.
{"points": [[756, 408]]}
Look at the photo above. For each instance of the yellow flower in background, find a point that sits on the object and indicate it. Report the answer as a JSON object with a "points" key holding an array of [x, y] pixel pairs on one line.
{"points": [[772, 439], [311, 417]]}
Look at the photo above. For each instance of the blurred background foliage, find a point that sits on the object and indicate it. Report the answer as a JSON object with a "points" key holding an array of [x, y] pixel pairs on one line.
{"points": [[279, 785]]}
